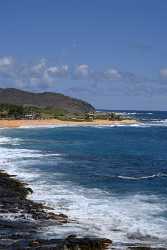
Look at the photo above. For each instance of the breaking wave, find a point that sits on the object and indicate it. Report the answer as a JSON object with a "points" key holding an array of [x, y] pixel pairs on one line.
{"points": [[142, 177], [92, 211]]}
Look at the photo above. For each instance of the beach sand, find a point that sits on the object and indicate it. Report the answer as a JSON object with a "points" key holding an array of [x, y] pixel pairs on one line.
{"points": [[22, 123]]}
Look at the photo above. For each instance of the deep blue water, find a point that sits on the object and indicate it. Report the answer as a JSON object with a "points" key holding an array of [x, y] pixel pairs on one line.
{"points": [[112, 179]]}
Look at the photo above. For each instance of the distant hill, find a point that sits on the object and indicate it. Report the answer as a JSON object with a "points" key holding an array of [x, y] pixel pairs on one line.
{"points": [[45, 99]]}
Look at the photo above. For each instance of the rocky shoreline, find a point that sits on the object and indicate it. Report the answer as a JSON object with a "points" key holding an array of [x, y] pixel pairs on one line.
{"points": [[21, 220]]}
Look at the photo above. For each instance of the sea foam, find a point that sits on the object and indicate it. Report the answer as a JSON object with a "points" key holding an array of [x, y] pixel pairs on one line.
{"points": [[92, 211]]}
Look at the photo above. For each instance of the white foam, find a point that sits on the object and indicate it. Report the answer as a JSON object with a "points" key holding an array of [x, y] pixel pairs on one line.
{"points": [[140, 124], [16, 217], [42, 126], [100, 213], [9, 140], [152, 123], [79, 125], [147, 124], [142, 177], [94, 212], [50, 126]]}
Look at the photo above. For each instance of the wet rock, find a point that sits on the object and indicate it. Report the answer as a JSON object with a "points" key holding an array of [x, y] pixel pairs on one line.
{"points": [[59, 244], [58, 217], [13, 199], [86, 244], [21, 232]]}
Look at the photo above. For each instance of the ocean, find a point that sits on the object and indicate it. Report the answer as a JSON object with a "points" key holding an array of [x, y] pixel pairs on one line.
{"points": [[110, 180]]}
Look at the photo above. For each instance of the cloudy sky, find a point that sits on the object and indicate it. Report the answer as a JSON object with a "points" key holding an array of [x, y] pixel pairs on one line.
{"points": [[112, 53]]}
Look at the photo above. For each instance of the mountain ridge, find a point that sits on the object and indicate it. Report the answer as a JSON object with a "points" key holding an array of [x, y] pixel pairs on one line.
{"points": [[44, 99]]}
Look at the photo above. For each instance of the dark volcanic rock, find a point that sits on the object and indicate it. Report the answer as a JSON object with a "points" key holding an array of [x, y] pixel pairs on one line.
{"points": [[46, 99], [13, 199], [22, 231], [59, 244]]}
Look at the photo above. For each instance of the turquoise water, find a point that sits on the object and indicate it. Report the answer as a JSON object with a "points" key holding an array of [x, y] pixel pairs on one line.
{"points": [[110, 180]]}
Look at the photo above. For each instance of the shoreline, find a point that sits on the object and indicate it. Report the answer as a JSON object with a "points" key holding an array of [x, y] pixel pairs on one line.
{"points": [[21, 229], [26, 123], [23, 232], [31, 219]]}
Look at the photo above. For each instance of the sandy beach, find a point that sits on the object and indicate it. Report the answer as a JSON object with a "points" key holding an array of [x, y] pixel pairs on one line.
{"points": [[22, 123]]}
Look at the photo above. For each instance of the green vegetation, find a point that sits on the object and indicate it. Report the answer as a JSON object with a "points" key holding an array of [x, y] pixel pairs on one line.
{"points": [[112, 116], [10, 111]]}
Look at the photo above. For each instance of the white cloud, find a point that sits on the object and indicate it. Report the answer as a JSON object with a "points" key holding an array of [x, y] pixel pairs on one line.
{"points": [[43, 75], [59, 71], [112, 74], [163, 73], [6, 61], [53, 69], [82, 70], [37, 68]]}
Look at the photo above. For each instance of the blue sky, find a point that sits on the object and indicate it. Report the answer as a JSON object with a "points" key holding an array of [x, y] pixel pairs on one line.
{"points": [[112, 53]]}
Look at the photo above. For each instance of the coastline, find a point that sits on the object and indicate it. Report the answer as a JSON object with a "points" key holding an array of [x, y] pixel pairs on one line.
{"points": [[30, 237], [29, 217], [23, 232], [22, 123]]}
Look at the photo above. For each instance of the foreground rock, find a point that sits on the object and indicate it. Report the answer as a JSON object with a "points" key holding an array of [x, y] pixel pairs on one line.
{"points": [[57, 244], [13, 200], [21, 220]]}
